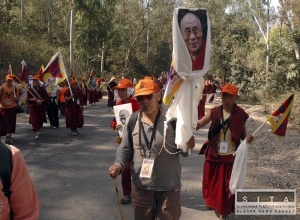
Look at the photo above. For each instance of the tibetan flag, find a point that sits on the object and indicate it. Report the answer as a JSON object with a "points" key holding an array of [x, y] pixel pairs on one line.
{"points": [[40, 73], [17, 80], [19, 84], [22, 96], [24, 73], [279, 119], [55, 72], [173, 83]]}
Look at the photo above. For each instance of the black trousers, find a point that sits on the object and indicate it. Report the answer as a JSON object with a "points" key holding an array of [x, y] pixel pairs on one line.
{"points": [[52, 112]]}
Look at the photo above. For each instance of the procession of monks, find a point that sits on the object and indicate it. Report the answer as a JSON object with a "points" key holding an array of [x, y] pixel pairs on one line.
{"points": [[68, 98]]}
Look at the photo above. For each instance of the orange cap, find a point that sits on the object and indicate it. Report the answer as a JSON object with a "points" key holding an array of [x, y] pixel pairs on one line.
{"points": [[83, 79], [123, 84], [145, 86], [36, 77], [148, 77], [230, 89], [9, 77]]}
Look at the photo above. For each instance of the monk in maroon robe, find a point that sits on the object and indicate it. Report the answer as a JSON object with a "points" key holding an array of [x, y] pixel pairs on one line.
{"points": [[8, 102], [222, 145], [37, 98], [75, 102]]}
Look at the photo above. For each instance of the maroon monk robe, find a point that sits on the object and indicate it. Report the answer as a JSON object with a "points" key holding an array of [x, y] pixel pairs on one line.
{"points": [[201, 106], [93, 96], [74, 113], [8, 121], [37, 112]]}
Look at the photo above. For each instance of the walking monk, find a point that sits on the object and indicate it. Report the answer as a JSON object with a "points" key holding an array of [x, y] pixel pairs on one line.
{"points": [[62, 100], [226, 131], [8, 101], [37, 98], [74, 116]]}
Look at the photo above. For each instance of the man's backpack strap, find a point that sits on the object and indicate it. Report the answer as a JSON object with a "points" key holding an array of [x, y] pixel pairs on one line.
{"points": [[5, 168], [132, 120]]}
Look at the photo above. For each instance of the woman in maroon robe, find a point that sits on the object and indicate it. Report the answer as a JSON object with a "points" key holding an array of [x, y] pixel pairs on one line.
{"points": [[74, 114], [37, 98]]}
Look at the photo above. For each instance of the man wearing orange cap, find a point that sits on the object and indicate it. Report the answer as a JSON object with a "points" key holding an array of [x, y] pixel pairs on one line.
{"points": [[8, 102], [155, 166], [125, 92], [74, 116], [228, 127], [37, 98]]}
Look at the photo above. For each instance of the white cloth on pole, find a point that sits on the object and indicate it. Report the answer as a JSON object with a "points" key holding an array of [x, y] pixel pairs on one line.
{"points": [[185, 104], [239, 170]]}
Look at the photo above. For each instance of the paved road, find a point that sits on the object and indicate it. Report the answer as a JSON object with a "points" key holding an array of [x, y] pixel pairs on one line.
{"points": [[71, 177]]}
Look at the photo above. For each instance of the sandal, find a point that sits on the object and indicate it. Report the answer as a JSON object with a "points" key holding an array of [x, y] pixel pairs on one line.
{"points": [[125, 199]]}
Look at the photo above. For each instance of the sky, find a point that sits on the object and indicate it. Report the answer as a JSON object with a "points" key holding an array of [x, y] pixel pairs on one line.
{"points": [[275, 3]]}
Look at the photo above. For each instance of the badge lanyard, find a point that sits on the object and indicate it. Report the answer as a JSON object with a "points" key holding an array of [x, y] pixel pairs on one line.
{"points": [[225, 127], [149, 144]]}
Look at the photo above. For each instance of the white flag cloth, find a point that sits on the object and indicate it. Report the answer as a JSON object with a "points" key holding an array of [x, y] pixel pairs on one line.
{"points": [[239, 170], [186, 99]]}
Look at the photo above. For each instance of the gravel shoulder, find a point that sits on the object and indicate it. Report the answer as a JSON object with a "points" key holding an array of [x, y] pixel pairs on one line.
{"points": [[273, 162]]}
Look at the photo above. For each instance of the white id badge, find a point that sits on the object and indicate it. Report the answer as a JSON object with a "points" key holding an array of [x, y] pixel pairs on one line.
{"points": [[78, 102], [8, 102], [147, 168], [223, 147]]}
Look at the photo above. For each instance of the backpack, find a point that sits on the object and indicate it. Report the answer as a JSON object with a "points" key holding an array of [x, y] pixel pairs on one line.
{"points": [[5, 168]]}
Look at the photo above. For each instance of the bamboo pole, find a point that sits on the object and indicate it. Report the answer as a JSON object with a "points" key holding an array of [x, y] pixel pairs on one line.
{"points": [[118, 199]]}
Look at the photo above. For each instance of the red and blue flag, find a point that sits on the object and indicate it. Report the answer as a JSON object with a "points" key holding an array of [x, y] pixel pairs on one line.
{"points": [[279, 119]]}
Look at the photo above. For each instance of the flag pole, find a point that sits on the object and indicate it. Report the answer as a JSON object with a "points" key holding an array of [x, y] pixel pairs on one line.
{"points": [[259, 127], [118, 199], [254, 132], [64, 70], [25, 86], [13, 82], [14, 89]]}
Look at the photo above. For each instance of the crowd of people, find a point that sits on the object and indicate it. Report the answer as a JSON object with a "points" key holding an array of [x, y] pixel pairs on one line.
{"points": [[67, 99], [150, 166], [153, 162]]}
